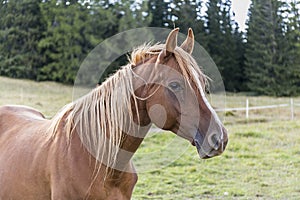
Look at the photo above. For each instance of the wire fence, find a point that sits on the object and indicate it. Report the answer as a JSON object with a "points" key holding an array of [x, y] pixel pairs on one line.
{"points": [[248, 110]]}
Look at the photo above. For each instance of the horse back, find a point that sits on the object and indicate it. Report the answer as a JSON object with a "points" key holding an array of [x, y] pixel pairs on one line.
{"points": [[13, 116], [20, 111]]}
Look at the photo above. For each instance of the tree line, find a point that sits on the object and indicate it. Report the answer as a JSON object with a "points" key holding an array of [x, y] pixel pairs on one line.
{"points": [[48, 39]]}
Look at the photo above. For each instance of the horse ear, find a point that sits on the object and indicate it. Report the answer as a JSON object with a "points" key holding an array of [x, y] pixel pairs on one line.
{"points": [[171, 42], [188, 44]]}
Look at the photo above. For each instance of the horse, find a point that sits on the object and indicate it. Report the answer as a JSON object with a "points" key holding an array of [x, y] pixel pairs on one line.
{"points": [[85, 150]]}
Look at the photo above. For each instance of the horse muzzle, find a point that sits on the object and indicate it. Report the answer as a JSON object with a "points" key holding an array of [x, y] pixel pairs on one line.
{"points": [[211, 145]]}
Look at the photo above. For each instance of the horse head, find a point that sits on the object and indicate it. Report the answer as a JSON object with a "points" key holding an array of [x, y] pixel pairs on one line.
{"points": [[172, 87]]}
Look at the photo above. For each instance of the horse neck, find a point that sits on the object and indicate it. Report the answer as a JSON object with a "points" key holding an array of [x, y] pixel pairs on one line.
{"points": [[134, 134], [120, 130], [138, 129], [141, 122]]}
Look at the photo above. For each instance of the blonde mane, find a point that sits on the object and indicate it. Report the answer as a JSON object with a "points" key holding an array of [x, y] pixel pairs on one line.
{"points": [[100, 117]]}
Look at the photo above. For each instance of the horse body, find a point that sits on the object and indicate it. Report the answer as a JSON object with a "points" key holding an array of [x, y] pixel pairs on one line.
{"points": [[85, 151], [23, 154], [41, 168]]}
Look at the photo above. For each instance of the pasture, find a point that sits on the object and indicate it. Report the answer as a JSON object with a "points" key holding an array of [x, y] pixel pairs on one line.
{"points": [[262, 159]]}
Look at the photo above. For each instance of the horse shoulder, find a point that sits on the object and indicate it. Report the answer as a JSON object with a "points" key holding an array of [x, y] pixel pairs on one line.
{"points": [[123, 187], [120, 186]]}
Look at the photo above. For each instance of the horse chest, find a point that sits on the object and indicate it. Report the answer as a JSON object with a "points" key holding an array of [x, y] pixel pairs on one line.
{"points": [[73, 175], [99, 190]]}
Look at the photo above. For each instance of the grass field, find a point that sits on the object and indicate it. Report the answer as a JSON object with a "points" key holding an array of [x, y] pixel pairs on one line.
{"points": [[47, 97], [262, 159]]}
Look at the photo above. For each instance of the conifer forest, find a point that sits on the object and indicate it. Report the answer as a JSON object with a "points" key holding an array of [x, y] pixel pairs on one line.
{"points": [[46, 40]]}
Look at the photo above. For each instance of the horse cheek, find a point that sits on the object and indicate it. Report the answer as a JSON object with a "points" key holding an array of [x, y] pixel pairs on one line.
{"points": [[158, 115]]}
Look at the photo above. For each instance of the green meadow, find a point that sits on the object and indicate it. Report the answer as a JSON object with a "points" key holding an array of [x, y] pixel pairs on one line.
{"points": [[262, 159]]}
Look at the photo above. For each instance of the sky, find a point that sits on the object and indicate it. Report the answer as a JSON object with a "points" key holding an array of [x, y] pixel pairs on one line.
{"points": [[240, 7]]}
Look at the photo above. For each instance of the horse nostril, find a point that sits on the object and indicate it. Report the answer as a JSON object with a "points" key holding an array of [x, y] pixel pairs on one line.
{"points": [[214, 141]]}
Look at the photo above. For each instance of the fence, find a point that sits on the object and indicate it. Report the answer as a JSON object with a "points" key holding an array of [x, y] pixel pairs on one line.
{"points": [[291, 105]]}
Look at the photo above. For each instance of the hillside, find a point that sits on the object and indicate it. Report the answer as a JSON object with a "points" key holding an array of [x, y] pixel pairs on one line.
{"points": [[48, 97]]}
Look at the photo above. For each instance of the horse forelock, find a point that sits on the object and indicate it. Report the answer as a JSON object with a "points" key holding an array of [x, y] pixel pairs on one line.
{"points": [[142, 53], [188, 65]]}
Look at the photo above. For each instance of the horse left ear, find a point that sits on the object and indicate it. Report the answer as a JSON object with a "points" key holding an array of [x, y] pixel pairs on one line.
{"points": [[171, 44], [188, 44]]}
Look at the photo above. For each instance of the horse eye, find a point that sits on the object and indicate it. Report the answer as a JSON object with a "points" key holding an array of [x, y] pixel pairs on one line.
{"points": [[175, 86]]}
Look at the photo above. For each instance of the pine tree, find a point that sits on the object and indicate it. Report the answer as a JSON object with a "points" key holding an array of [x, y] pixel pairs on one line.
{"points": [[186, 14], [213, 30], [271, 51], [281, 70], [239, 80], [292, 51], [224, 43], [229, 66], [21, 27], [159, 11], [262, 47], [132, 14], [103, 21], [65, 43]]}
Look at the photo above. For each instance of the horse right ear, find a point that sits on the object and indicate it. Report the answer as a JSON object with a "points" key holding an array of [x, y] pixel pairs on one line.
{"points": [[188, 44]]}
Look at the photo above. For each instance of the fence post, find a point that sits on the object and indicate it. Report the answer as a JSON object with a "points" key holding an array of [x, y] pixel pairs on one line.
{"points": [[247, 108], [292, 109]]}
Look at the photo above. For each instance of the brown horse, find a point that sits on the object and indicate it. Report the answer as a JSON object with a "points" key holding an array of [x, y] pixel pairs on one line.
{"points": [[85, 151]]}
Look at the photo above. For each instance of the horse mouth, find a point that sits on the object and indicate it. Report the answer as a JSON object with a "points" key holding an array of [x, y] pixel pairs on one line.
{"points": [[198, 142]]}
